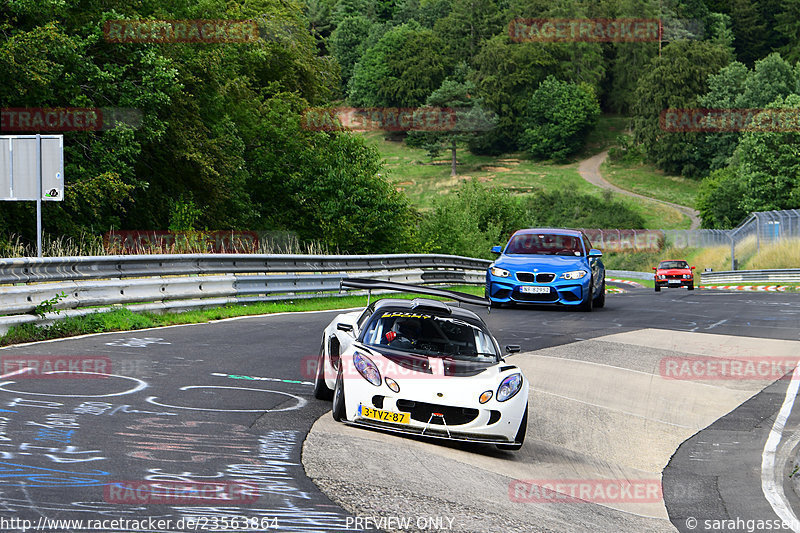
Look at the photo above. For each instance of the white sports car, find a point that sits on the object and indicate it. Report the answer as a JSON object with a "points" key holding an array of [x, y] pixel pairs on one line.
{"points": [[422, 367]]}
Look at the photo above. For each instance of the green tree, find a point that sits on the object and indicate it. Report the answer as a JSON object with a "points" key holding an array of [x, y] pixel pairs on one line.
{"points": [[560, 115], [719, 199], [750, 29], [506, 75], [769, 161], [458, 94], [348, 43], [674, 80], [468, 24], [788, 27], [401, 70], [736, 87]]}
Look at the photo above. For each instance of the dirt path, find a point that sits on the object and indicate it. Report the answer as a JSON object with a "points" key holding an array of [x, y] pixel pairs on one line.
{"points": [[589, 169]]}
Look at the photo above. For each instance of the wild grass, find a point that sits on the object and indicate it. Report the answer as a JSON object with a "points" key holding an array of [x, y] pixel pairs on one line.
{"points": [[194, 242]]}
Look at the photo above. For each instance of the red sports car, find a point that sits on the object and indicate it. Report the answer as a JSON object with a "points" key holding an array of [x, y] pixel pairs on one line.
{"points": [[674, 273]]}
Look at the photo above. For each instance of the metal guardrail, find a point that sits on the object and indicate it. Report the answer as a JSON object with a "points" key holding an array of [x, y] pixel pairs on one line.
{"points": [[630, 274], [179, 282], [790, 275]]}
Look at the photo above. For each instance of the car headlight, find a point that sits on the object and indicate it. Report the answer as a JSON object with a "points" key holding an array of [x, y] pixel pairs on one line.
{"points": [[574, 274], [686, 276], [500, 272], [367, 369], [509, 387]]}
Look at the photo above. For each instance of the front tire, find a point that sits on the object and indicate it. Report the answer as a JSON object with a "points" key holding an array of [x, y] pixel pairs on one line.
{"points": [[690, 286], [520, 438], [321, 390], [658, 289], [588, 302], [339, 411], [600, 301]]}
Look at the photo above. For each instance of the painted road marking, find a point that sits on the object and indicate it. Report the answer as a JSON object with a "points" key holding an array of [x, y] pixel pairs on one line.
{"points": [[257, 378], [771, 480]]}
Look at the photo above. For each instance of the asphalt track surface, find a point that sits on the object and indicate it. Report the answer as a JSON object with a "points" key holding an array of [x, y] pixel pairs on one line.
{"points": [[221, 407]]}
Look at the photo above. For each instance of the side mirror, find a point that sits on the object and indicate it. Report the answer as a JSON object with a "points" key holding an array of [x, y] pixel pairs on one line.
{"points": [[655, 268], [594, 252], [692, 268], [513, 348], [344, 327], [497, 249]]}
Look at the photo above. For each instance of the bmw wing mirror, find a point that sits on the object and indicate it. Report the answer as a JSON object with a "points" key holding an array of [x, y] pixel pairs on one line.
{"points": [[513, 348], [497, 249]]}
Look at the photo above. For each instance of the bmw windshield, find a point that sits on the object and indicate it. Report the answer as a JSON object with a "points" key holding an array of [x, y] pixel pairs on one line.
{"points": [[430, 335], [545, 244]]}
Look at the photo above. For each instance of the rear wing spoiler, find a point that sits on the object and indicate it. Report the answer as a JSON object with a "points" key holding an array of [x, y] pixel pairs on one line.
{"points": [[377, 284]]}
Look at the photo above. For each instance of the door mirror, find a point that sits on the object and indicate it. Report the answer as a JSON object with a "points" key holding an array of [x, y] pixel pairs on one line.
{"points": [[513, 348], [344, 327], [655, 268], [594, 252], [497, 249], [692, 268]]}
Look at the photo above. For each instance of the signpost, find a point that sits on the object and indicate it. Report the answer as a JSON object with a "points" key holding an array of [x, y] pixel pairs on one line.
{"points": [[32, 169]]}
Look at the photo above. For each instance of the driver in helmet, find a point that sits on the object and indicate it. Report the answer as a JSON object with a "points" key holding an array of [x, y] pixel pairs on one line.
{"points": [[404, 332]]}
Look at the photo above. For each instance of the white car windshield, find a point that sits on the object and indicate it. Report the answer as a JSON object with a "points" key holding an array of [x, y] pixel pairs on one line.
{"points": [[430, 335]]}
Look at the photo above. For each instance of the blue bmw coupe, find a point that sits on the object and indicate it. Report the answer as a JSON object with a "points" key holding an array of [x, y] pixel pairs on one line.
{"points": [[547, 266]]}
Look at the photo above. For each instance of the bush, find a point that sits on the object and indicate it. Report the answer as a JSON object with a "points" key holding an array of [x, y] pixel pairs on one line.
{"points": [[471, 220], [626, 151], [574, 210], [475, 218]]}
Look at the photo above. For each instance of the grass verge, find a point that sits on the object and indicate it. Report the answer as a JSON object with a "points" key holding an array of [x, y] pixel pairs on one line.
{"points": [[648, 181], [127, 320]]}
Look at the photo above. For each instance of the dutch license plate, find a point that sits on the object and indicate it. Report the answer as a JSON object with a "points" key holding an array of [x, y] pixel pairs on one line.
{"points": [[530, 289], [383, 416]]}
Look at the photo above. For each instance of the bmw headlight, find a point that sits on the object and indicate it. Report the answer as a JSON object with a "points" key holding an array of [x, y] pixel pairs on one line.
{"points": [[509, 387], [367, 369], [687, 276], [574, 274], [499, 272]]}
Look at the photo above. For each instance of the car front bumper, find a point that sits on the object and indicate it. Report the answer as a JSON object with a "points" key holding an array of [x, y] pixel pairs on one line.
{"points": [[465, 419], [561, 292], [674, 283]]}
